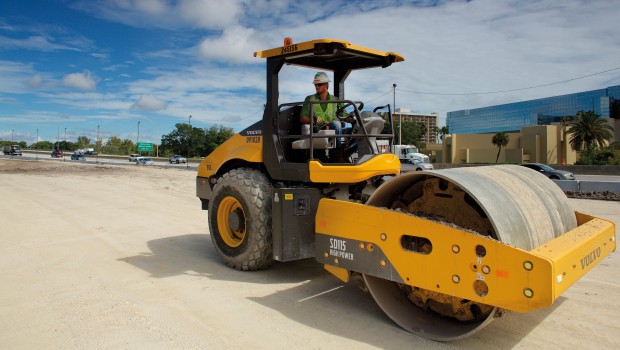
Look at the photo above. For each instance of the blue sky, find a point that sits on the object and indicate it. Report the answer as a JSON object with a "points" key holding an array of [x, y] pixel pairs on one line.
{"points": [[77, 65]]}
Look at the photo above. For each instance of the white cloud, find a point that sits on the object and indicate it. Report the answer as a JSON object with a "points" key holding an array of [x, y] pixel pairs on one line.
{"points": [[479, 46], [152, 7], [236, 45], [37, 42], [149, 103], [206, 14], [82, 81], [451, 47], [209, 13], [15, 76], [34, 82]]}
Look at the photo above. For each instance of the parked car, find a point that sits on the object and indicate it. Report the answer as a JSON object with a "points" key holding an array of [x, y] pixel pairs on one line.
{"points": [[57, 153], [420, 165], [550, 172], [177, 159], [144, 161], [78, 156], [134, 157]]}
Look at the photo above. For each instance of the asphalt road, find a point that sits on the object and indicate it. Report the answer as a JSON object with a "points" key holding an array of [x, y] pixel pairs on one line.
{"points": [[116, 160], [120, 160]]}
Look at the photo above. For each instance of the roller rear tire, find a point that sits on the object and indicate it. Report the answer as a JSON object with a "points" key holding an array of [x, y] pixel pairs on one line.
{"points": [[240, 219]]}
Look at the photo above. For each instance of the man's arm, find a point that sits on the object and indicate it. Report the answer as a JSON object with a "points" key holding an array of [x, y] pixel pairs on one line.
{"points": [[305, 111]]}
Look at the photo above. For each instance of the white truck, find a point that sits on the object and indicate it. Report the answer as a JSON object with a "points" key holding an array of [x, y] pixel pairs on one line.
{"points": [[407, 153], [13, 150]]}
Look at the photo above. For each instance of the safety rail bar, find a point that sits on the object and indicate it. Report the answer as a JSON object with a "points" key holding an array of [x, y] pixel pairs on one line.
{"points": [[356, 115]]}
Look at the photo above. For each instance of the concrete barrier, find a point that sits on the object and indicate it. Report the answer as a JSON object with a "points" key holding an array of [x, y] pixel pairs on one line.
{"points": [[588, 186], [599, 186], [567, 185], [575, 169]]}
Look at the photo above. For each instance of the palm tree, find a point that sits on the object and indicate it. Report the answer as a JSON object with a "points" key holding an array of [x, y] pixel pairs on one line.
{"points": [[500, 140], [443, 131], [588, 129]]}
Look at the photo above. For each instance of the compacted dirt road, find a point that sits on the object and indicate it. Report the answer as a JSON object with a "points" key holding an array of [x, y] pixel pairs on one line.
{"points": [[118, 257]]}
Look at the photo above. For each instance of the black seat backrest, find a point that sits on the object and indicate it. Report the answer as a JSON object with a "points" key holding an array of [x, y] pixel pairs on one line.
{"points": [[289, 124]]}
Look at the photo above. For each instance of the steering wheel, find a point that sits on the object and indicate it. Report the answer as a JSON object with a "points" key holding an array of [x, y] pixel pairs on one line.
{"points": [[341, 109]]}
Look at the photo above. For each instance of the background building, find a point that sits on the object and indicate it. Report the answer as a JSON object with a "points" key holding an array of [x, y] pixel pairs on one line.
{"points": [[512, 117], [540, 144], [429, 120]]}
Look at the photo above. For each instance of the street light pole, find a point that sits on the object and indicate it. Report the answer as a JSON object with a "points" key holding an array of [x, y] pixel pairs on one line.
{"points": [[138, 138], [65, 158], [97, 146], [189, 143], [400, 119], [36, 154]]}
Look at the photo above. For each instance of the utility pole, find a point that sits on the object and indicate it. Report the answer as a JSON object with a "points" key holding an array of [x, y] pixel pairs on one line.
{"points": [[138, 138], [189, 143], [96, 146], [36, 154], [65, 158]]}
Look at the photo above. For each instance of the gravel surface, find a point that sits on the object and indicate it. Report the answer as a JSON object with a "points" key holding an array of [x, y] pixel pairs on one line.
{"points": [[104, 257], [602, 196]]}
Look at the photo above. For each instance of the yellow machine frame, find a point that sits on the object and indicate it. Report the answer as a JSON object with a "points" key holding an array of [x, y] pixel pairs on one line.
{"points": [[515, 279]]}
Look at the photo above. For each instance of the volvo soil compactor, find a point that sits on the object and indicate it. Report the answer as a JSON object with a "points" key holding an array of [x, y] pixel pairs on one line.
{"points": [[442, 253]]}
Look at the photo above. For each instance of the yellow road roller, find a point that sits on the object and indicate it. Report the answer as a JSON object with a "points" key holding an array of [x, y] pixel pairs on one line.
{"points": [[441, 252]]}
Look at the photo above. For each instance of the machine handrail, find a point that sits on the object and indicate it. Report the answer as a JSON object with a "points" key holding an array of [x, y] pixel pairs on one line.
{"points": [[356, 116]]}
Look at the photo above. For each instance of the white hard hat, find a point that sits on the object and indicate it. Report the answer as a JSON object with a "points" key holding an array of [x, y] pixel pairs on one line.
{"points": [[320, 77]]}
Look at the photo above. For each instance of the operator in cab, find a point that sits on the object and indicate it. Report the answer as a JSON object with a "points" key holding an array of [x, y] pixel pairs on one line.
{"points": [[325, 113]]}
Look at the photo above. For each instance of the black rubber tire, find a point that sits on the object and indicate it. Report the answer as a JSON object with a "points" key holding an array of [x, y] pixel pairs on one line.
{"points": [[252, 190]]}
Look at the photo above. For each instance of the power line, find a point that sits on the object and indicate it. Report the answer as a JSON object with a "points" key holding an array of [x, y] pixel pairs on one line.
{"points": [[511, 90], [376, 98]]}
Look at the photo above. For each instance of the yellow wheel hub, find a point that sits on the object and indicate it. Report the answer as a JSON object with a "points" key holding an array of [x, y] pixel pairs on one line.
{"points": [[231, 222]]}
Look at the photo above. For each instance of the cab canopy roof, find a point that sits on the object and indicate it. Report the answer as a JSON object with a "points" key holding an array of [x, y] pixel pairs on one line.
{"points": [[331, 54]]}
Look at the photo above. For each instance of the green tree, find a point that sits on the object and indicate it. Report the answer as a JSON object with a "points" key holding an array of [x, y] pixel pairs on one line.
{"points": [[413, 133], [21, 144], [443, 131], [43, 145], [66, 145], [83, 142], [597, 156], [215, 136], [500, 140], [588, 129], [192, 141], [177, 142], [117, 146]]}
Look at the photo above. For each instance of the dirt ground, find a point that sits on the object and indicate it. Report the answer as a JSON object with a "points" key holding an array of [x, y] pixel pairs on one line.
{"points": [[113, 257]]}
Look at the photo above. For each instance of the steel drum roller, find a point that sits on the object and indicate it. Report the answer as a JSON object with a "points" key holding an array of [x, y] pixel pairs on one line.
{"points": [[510, 203]]}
